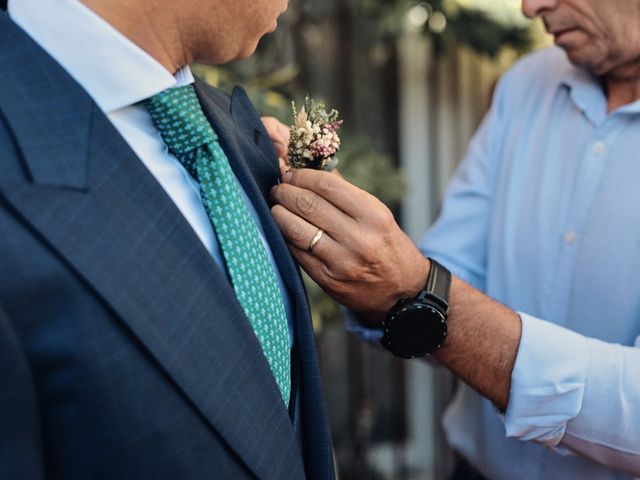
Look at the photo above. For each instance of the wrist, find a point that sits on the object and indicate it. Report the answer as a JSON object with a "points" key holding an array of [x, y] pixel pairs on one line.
{"points": [[417, 325], [411, 283], [414, 281]]}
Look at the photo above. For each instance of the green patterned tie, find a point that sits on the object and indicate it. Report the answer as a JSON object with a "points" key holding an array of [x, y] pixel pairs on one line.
{"points": [[186, 131]]}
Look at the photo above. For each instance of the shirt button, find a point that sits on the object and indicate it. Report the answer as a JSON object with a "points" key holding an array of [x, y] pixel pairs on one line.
{"points": [[599, 148], [570, 237]]}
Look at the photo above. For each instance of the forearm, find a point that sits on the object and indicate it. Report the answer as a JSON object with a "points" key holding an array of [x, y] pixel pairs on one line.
{"points": [[482, 336], [555, 386], [568, 390], [482, 342]]}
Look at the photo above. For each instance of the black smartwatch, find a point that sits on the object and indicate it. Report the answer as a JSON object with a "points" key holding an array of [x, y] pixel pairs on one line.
{"points": [[416, 327]]}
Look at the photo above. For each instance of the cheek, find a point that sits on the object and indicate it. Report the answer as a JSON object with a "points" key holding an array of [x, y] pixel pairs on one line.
{"points": [[627, 38]]}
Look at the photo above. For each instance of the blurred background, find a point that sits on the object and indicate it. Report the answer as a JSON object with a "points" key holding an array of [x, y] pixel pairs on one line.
{"points": [[412, 81]]}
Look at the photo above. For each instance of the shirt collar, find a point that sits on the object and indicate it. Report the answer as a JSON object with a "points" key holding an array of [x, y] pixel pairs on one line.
{"points": [[587, 93], [111, 68]]}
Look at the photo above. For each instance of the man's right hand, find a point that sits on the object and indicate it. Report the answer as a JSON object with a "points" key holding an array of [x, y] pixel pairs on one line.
{"points": [[367, 263], [364, 260]]}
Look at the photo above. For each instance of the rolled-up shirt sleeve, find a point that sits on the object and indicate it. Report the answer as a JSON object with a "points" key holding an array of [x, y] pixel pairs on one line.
{"points": [[576, 394]]}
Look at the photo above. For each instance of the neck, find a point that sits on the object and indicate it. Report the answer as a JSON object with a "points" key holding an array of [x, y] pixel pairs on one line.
{"points": [[622, 88], [621, 92], [159, 38]]}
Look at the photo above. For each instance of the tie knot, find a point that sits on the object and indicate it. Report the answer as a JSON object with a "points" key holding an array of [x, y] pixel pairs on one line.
{"points": [[178, 116]]}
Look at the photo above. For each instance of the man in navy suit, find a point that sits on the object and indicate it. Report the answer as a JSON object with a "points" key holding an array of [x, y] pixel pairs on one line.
{"points": [[124, 350]]}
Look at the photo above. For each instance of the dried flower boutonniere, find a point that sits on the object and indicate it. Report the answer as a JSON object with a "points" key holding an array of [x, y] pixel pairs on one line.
{"points": [[314, 137]]}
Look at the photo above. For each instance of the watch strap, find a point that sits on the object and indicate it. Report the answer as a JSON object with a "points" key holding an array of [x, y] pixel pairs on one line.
{"points": [[438, 284]]}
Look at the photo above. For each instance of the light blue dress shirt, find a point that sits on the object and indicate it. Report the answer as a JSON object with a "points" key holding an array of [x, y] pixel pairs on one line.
{"points": [[543, 215]]}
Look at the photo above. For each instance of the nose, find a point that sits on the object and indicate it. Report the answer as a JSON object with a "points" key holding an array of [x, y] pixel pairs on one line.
{"points": [[535, 8]]}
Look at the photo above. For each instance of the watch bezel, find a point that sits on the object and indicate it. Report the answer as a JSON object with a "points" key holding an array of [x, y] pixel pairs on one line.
{"points": [[392, 327]]}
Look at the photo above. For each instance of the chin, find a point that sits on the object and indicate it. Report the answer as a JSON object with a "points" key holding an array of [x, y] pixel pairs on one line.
{"points": [[232, 51], [587, 59], [246, 53], [212, 61], [226, 57], [588, 64], [248, 49]]}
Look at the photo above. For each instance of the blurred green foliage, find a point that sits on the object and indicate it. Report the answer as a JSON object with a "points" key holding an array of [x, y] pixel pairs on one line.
{"points": [[468, 26], [484, 35]]}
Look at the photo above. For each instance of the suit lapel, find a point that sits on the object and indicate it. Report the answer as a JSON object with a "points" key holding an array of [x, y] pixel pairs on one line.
{"points": [[255, 162], [91, 199]]}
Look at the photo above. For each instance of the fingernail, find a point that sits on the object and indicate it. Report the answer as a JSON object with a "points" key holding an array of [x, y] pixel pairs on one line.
{"points": [[287, 173]]}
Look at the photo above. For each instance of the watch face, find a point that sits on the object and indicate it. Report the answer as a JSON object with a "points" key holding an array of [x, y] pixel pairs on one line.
{"points": [[418, 329]]}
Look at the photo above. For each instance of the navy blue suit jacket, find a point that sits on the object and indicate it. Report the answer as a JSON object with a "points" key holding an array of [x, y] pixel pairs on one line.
{"points": [[124, 352]]}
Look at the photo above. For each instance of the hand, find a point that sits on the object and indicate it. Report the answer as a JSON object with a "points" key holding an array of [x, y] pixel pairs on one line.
{"points": [[367, 263], [363, 260], [279, 134]]}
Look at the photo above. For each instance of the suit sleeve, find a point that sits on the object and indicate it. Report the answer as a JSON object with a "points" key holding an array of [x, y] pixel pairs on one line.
{"points": [[20, 436]]}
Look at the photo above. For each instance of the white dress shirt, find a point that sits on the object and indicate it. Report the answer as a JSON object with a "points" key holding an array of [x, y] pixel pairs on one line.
{"points": [[118, 75]]}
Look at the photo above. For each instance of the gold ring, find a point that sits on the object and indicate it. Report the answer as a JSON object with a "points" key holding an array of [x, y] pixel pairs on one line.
{"points": [[314, 241]]}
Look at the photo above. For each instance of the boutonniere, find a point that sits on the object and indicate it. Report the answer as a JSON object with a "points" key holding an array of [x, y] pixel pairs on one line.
{"points": [[314, 136]]}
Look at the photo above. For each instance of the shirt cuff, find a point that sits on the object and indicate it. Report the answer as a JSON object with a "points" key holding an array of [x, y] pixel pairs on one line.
{"points": [[547, 382]]}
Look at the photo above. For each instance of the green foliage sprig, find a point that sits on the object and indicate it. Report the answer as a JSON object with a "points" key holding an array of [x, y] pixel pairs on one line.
{"points": [[470, 27]]}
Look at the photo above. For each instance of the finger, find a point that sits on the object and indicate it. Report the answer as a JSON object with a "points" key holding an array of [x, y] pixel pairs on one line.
{"points": [[321, 271], [281, 148], [278, 133], [283, 164], [283, 130], [345, 196], [276, 129], [300, 233], [314, 209]]}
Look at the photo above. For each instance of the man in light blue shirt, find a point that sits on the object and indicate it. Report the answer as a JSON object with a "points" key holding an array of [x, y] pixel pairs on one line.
{"points": [[542, 216]]}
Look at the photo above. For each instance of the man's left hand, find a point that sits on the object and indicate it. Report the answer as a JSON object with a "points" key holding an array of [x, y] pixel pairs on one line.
{"points": [[279, 134]]}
